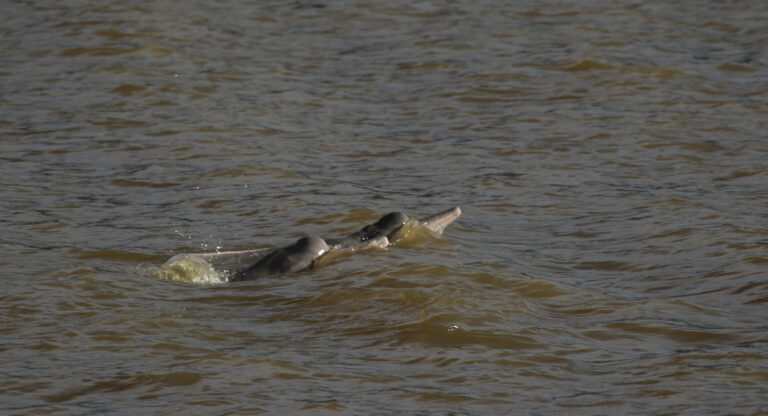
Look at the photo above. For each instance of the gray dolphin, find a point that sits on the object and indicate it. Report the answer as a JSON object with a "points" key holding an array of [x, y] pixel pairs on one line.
{"points": [[302, 254]]}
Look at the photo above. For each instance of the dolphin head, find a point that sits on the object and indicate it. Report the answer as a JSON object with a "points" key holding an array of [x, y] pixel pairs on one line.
{"points": [[384, 227], [391, 223]]}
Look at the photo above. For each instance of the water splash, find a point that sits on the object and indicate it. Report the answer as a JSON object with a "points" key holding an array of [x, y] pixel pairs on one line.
{"points": [[188, 269]]}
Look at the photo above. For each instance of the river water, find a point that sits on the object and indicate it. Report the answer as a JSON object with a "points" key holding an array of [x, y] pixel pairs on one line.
{"points": [[610, 158]]}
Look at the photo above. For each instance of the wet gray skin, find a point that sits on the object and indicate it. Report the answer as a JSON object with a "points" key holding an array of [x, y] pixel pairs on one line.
{"points": [[294, 258]]}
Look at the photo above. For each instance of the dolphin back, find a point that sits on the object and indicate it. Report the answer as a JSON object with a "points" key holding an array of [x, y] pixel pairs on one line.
{"points": [[297, 257]]}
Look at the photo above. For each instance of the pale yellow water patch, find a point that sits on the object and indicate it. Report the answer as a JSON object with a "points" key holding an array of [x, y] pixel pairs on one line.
{"points": [[412, 234], [188, 269]]}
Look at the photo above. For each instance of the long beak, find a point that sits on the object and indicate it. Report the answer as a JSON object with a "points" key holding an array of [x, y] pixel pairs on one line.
{"points": [[439, 221]]}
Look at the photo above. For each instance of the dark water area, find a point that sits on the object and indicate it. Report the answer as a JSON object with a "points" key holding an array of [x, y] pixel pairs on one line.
{"points": [[610, 158]]}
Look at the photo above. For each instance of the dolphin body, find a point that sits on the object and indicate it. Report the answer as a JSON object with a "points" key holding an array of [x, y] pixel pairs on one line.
{"points": [[303, 254], [298, 256]]}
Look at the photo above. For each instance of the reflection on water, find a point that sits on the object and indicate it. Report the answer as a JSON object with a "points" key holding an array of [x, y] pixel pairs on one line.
{"points": [[610, 160]]}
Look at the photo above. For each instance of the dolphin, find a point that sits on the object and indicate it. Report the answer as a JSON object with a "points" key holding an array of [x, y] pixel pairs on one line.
{"points": [[303, 254]]}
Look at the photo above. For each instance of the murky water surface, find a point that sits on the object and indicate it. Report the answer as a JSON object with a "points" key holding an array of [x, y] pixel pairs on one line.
{"points": [[611, 160]]}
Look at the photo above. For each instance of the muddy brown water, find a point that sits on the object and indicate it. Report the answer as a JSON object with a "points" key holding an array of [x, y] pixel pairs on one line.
{"points": [[611, 160]]}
